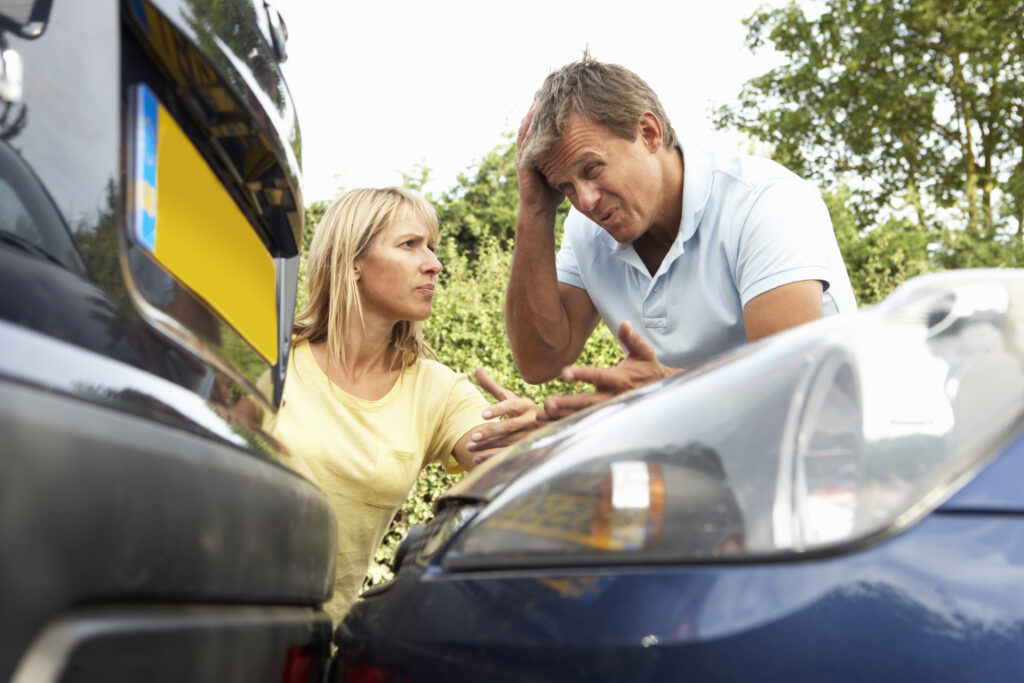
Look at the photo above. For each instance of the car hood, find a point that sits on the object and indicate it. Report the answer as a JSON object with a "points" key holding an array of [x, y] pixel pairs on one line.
{"points": [[937, 367]]}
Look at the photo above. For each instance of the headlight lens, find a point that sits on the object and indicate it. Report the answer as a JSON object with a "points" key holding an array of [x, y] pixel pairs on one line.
{"points": [[830, 434]]}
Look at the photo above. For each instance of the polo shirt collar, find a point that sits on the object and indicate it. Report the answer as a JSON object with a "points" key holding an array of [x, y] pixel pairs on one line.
{"points": [[697, 175]]}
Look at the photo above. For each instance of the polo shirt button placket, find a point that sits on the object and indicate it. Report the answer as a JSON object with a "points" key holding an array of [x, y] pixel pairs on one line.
{"points": [[655, 310]]}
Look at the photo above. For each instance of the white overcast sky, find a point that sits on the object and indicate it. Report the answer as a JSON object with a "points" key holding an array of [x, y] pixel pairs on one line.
{"points": [[381, 86]]}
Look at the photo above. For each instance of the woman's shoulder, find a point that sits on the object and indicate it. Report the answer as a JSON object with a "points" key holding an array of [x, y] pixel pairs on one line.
{"points": [[439, 378], [439, 382], [434, 370]]}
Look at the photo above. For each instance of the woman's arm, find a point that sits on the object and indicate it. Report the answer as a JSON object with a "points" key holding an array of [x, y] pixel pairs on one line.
{"points": [[484, 440]]}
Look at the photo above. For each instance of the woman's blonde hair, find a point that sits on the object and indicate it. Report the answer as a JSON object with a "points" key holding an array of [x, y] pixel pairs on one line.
{"points": [[344, 234]]}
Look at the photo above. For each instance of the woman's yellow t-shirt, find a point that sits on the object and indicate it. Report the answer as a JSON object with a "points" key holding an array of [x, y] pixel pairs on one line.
{"points": [[366, 455]]}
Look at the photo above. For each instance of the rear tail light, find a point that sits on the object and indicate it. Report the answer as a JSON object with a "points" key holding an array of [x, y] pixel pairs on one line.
{"points": [[298, 666], [359, 672]]}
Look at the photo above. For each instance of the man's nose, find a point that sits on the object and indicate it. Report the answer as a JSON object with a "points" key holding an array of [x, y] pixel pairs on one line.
{"points": [[587, 196]]}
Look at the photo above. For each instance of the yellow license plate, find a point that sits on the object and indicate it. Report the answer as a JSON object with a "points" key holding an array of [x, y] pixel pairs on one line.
{"points": [[194, 229]]}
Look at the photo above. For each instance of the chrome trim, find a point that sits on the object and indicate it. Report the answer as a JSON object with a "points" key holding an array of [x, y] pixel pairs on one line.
{"points": [[278, 31], [184, 337], [12, 76], [66, 368], [287, 273]]}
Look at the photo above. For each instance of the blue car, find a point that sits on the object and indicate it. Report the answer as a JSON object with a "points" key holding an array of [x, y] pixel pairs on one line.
{"points": [[842, 501]]}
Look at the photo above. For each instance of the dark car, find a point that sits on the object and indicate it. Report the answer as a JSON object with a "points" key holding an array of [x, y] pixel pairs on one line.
{"points": [[842, 502], [150, 218]]}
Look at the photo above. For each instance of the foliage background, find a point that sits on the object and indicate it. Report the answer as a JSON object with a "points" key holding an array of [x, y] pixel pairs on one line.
{"points": [[909, 114]]}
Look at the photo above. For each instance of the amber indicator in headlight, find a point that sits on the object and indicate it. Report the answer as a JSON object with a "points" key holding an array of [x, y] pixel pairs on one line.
{"points": [[630, 506]]}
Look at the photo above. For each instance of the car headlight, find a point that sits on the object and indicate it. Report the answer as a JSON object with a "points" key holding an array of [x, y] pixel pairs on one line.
{"points": [[844, 430]]}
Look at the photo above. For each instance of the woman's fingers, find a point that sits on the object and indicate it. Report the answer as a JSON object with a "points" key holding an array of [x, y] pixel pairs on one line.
{"points": [[493, 388], [521, 418], [502, 433], [511, 407]]}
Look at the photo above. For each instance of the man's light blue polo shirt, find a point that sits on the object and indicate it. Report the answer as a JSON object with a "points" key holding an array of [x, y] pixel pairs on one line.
{"points": [[748, 225]]}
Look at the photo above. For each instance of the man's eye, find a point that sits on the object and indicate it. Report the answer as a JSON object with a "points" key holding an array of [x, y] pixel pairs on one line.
{"points": [[592, 170]]}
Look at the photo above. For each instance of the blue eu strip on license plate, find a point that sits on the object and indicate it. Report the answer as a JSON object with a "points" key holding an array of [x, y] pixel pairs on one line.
{"points": [[146, 130]]}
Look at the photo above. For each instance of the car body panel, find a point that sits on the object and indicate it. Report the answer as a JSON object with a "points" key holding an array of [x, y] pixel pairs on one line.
{"points": [[995, 489]]}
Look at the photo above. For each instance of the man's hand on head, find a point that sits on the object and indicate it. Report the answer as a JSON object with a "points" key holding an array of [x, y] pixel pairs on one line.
{"points": [[640, 367], [536, 196]]}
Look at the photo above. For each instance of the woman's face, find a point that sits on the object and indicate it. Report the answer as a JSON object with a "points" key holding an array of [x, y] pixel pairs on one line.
{"points": [[396, 276]]}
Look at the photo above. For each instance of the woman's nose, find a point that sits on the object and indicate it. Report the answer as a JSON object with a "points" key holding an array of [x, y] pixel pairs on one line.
{"points": [[433, 264]]}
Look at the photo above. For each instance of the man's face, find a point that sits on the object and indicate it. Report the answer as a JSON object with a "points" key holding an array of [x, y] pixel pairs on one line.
{"points": [[614, 182]]}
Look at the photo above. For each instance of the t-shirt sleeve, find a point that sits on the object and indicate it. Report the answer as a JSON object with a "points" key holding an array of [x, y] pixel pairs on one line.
{"points": [[566, 265], [461, 413], [783, 238]]}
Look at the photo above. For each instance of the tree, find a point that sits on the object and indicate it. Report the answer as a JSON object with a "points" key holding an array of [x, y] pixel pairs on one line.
{"points": [[917, 105], [879, 259], [483, 202]]}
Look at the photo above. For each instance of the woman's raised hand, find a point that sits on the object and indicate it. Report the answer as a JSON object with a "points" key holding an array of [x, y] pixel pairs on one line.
{"points": [[520, 418]]}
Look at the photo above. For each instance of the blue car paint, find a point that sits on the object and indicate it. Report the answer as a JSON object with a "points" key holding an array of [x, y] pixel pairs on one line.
{"points": [[941, 601], [997, 487]]}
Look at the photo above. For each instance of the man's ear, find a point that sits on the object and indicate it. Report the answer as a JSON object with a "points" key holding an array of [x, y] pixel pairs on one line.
{"points": [[651, 132]]}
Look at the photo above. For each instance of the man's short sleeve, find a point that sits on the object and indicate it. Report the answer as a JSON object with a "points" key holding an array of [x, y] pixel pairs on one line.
{"points": [[566, 265], [784, 238]]}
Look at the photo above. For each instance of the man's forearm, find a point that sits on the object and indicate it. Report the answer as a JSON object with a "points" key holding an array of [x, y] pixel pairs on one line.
{"points": [[535, 318]]}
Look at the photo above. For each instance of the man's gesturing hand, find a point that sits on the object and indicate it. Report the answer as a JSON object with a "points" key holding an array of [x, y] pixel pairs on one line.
{"points": [[639, 367], [520, 419]]}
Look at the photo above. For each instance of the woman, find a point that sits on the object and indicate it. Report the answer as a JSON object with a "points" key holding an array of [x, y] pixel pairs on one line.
{"points": [[364, 408]]}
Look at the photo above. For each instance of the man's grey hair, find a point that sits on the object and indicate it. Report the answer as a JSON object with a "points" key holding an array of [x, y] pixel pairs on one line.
{"points": [[607, 94]]}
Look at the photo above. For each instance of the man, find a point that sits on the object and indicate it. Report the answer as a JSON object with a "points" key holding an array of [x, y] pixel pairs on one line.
{"points": [[686, 253]]}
